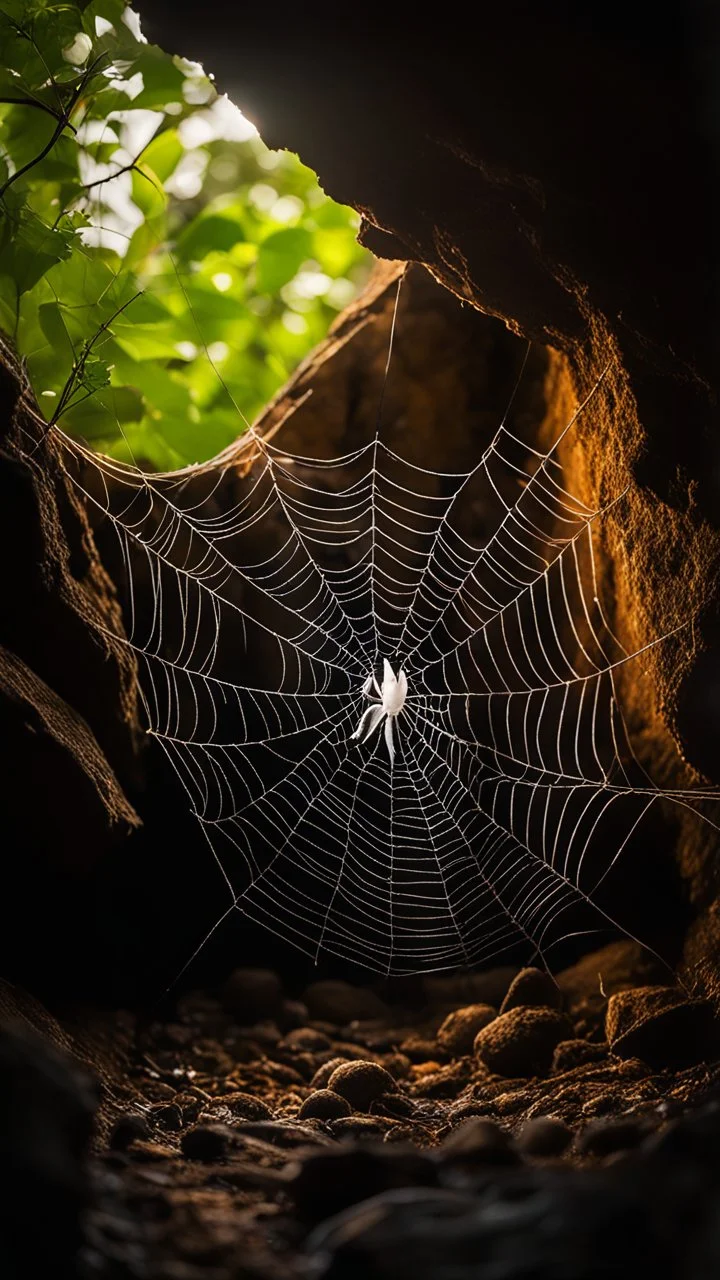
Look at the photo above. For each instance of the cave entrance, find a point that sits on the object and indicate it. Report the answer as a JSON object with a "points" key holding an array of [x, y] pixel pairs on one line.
{"points": [[165, 271]]}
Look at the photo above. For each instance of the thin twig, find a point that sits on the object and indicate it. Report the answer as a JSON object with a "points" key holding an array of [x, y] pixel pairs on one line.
{"points": [[70, 386], [35, 102]]}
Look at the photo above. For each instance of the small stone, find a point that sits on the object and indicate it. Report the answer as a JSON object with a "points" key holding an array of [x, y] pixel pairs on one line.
{"points": [[419, 1049], [126, 1130], [265, 1034], [208, 1142], [246, 1107], [457, 1034], [659, 1025], [576, 1053], [189, 1105], [544, 1136], [292, 1014], [323, 1073], [334, 1179], [606, 1137], [324, 1104], [340, 1003], [521, 1043], [395, 1105], [478, 1140], [361, 1083], [167, 1115], [304, 1040], [398, 1064], [251, 995], [534, 989]]}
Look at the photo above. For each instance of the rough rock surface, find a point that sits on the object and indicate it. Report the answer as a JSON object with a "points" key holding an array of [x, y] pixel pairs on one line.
{"points": [[660, 1025], [522, 1041], [561, 220], [457, 1033], [69, 732], [532, 987]]}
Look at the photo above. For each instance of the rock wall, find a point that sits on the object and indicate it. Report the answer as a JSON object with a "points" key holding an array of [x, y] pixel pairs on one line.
{"points": [[560, 172]]}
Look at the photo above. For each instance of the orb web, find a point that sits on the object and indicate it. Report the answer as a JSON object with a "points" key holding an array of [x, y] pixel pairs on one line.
{"points": [[512, 789]]}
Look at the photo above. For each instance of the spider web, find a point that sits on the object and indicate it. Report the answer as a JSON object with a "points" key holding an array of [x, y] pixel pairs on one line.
{"points": [[513, 789]]}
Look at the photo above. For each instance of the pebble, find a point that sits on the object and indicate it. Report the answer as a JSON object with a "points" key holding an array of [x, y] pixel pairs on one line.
{"points": [[457, 1033], [396, 1105], [544, 1136], [478, 1140], [398, 1064], [533, 988], [251, 995], [190, 1106], [659, 1025], [606, 1137], [341, 1003], [361, 1083], [126, 1130], [332, 1180], [521, 1043], [167, 1115], [324, 1104], [304, 1040], [245, 1106], [576, 1053], [292, 1014], [323, 1073], [419, 1048], [208, 1142]]}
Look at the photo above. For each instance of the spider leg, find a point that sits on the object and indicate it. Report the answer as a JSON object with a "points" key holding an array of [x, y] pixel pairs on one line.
{"points": [[389, 739], [378, 688], [368, 686], [369, 722]]}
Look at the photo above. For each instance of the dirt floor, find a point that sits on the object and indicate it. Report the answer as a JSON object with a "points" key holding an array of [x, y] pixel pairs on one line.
{"points": [[501, 1124]]}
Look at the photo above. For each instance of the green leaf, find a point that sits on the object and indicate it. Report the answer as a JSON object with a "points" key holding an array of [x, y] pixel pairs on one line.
{"points": [[209, 233], [147, 190], [280, 257], [32, 250], [96, 416], [163, 153], [53, 326]]}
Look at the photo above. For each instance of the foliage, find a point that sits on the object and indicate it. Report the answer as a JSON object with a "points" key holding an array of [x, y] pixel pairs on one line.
{"points": [[161, 271]]}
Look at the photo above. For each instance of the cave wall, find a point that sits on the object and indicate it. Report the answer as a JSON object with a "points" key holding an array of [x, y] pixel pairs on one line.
{"points": [[560, 173], [69, 730]]}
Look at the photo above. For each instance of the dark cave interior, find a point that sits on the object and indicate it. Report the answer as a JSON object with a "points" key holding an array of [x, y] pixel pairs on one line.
{"points": [[256, 1116]]}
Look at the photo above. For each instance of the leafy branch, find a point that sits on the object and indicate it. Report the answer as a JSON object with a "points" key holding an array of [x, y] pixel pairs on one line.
{"points": [[77, 376], [63, 121]]}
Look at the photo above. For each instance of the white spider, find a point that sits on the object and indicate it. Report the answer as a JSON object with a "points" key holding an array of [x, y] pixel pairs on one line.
{"points": [[392, 695]]}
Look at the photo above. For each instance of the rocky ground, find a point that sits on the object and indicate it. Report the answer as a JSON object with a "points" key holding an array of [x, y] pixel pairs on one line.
{"points": [[500, 1125]]}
